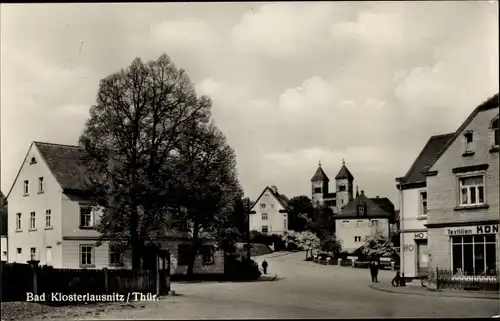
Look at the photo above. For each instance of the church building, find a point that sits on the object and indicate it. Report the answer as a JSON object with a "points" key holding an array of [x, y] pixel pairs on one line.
{"points": [[343, 193]]}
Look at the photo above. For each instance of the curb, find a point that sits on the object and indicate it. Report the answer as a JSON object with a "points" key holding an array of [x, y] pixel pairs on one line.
{"points": [[261, 279], [443, 294]]}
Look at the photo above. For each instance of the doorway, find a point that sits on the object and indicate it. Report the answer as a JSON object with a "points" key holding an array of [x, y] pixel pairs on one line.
{"points": [[422, 257]]}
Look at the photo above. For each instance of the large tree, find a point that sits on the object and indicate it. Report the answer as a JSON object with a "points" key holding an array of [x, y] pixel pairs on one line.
{"points": [[323, 222], [132, 140], [301, 213], [206, 184]]}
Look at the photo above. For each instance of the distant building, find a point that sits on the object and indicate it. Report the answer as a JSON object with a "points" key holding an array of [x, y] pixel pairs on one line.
{"points": [[269, 213], [413, 206], [363, 217], [463, 196], [343, 189]]}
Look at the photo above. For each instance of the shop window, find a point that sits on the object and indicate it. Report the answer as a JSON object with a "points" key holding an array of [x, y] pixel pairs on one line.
{"points": [[473, 255]]}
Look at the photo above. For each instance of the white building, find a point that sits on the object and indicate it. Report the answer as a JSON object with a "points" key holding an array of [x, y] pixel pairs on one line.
{"points": [[269, 213], [363, 217], [413, 209], [3, 228], [50, 219]]}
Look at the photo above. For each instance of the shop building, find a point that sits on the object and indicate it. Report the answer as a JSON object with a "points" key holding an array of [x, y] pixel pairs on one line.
{"points": [[462, 185], [413, 210]]}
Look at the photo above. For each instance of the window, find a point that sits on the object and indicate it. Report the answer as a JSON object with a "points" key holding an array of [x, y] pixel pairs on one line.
{"points": [[374, 222], [26, 187], [33, 161], [115, 255], [469, 141], [48, 255], [262, 205], [19, 250], [359, 223], [423, 203], [33, 253], [264, 216], [265, 229], [342, 202], [207, 254], [19, 226], [361, 209], [86, 255], [342, 188], [496, 132], [345, 223], [473, 254], [48, 218], [183, 254], [32, 221], [472, 190], [40, 185], [85, 217], [285, 225], [317, 190], [357, 239], [272, 205]]}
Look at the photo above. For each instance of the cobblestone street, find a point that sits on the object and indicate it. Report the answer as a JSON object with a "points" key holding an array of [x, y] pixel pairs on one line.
{"points": [[303, 290]]}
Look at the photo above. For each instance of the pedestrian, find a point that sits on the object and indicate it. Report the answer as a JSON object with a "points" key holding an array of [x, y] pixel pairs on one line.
{"points": [[372, 270], [264, 266], [376, 267]]}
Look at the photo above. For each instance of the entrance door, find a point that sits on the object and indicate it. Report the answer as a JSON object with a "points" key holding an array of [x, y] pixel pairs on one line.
{"points": [[422, 257]]}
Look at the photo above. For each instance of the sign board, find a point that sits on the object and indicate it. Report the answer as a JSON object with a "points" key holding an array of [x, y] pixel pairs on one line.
{"points": [[420, 236], [472, 230], [409, 248]]}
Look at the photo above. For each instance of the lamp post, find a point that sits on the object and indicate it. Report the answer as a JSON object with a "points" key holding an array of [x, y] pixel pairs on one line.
{"points": [[248, 229], [402, 239]]}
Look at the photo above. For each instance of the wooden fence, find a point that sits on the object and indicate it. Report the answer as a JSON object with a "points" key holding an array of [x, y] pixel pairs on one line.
{"points": [[20, 279]]}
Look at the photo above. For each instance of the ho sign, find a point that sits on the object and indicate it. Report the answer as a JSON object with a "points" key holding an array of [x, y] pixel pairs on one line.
{"points": [[409, 248], [420, 236]]}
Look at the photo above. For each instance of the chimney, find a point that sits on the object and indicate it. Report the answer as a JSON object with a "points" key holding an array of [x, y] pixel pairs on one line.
{"points": [[275, 189]]}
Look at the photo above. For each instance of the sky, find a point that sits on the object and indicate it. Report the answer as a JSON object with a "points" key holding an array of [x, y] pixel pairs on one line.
{"points": [[292, 83]]}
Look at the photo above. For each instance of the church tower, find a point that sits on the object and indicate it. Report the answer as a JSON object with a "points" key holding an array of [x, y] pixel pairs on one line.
{"points": [[319, 183], [344, 187]]}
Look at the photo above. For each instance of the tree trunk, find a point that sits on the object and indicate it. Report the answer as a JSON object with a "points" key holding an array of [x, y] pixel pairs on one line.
{"points": [[194, 251], [307, 252]]}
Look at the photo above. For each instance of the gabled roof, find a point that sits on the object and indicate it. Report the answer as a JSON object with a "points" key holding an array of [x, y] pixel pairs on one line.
{"points": [[320, 176], [491, 103], [384, 203], [344, 173], [372, 208], [65, 163], [426, 157], [282, 199]]}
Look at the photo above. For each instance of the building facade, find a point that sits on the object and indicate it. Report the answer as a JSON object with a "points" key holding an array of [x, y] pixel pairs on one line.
{"points": [[363, 217], [52, 221], [269, 213], [463, 196], [343, 189], [413, 210], [3, 228]]}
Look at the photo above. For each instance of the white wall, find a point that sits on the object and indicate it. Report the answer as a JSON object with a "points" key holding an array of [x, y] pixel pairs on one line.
{"points": [[410, 210], [4, 247], [41, 237], [358, 227], [275, 220], [71, 255]]}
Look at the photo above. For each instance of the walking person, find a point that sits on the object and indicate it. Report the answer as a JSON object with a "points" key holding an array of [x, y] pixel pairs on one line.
{"points": [[264, 266], [372, 270], [376, 267]]}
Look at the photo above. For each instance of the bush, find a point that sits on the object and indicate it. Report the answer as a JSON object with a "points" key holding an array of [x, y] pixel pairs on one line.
{"points": [[244, 269], [292, 247]]}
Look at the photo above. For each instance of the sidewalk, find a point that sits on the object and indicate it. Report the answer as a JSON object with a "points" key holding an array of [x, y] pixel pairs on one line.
{"points": [[418, 289]]}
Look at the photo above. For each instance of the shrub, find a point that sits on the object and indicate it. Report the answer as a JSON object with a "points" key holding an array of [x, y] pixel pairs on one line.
{"points": [[244, 269]]}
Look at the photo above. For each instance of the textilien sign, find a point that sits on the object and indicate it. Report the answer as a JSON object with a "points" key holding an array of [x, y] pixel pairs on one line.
{"points": [[472, 230]]}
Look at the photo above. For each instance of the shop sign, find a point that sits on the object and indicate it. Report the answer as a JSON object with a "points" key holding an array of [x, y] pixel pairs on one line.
{"points": [[409, 248], [472, 230], [420, 236]]}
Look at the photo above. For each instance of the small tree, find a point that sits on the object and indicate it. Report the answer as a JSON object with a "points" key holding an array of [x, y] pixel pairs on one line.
{"points": [[330, 243], [378, 245], [305, 240]]}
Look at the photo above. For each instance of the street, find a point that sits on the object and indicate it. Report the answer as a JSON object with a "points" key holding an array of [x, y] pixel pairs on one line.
{"points": [[303, 290]]}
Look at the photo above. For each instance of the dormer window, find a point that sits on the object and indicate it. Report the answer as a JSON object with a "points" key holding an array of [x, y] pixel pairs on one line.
{"points": [[33, 161], [361, 209], [495, 132]]}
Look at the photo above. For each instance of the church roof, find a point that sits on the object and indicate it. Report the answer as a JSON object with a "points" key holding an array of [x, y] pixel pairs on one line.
{"points": [[344, 173], [319, 176]]}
